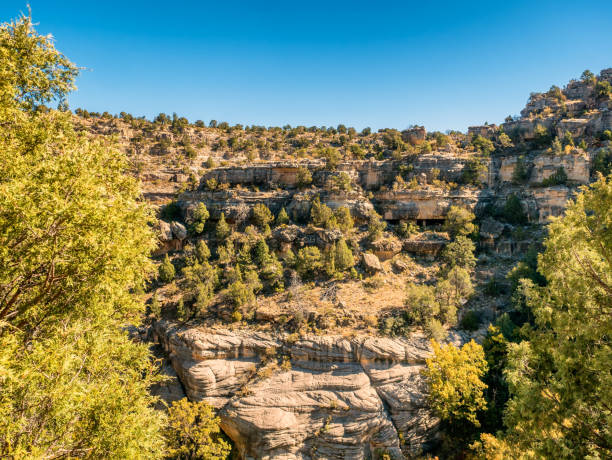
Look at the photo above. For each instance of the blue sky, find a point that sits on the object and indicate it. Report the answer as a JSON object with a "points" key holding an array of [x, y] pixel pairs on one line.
{"points": [[447, 65]]}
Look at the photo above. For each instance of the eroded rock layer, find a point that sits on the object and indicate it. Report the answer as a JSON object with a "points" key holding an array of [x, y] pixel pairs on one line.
{"points": [[314, 397]]}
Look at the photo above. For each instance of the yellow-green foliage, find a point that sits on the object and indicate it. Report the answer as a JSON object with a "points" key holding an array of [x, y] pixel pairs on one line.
{"points": [[193, 432], [74, 246], [560, 380], [459, 221], [454, 379]]}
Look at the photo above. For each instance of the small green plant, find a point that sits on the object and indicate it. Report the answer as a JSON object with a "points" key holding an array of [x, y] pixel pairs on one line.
{"points": [[166, 271]]}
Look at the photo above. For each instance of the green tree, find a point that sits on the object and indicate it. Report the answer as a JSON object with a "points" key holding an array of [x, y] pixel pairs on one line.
{"points": [[459, 221], [560, 379], [343, 256], [421, 303], [513, 211], [222, 230], [483, 145], [454, 376], [460, 253], [304, 177], [320, 213], [74, 245], [193, 432], [202, 252], [262, 216], [199, 216], [344, 219], [282, 217], [308, 261], [166, 270], [376, 226]]}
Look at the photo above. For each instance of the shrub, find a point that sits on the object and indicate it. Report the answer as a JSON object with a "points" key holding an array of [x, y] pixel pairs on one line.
{"points": [[558, 178], [421, 304], [460, 253], [343, 182], [471, 172], [603, 89], [304, 177], [454, 379], [483, 145], [239, 293], [513, 212], [282, 218], [308, 261], [434, 329], [470, 321], [376, 226], [262, 216], [320, 213], [602, 163], [331, 156], [405, 229], [542, 136], [343, 256], [202, 252], [520, 175], [222, 230], [166, 271], [344, 219], [198, 219], [193, 431], [171, 211], [459, 221]]}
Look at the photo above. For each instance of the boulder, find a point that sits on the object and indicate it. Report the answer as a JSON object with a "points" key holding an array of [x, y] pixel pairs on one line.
{"points": [[371, 263], [178, 230], [165, 231]]}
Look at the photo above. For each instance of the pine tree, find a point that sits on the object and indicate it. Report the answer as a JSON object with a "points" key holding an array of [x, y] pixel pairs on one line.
{"points": [[343, 256], [223, 230], [282, 218], [166, 270]]}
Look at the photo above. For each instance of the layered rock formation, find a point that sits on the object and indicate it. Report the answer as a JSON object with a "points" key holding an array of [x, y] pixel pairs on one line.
{"points": [[340, 397]]}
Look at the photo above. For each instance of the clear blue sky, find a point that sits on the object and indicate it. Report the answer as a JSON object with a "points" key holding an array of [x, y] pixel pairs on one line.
{"points": [[447, 65]]}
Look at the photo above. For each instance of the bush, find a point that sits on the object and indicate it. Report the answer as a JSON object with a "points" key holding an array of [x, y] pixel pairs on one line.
{"points": [[344, 220], [343, 256], [202, 252], [483, 145], [262, 216], [222, 230], [459, 221], [521, 173], [304, 177], [513, 212], [193, 432], [171, 211], [542, 136], [434, 329], [320, 213], [470, 321], [198, 219], [602, 163], [454, 379], [376, 226], [239, 293], [308, 261], [471, 172], [166, 271], [558, 178], [421, 304], [282, 218], [460, 253], [405, 229]]}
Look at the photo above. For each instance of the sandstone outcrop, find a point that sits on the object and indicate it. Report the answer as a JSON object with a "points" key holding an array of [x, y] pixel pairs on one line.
{"points": [[348, 398]]}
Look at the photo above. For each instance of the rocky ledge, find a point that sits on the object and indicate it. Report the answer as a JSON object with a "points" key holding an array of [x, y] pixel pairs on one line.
{"points": [[285, 397]]}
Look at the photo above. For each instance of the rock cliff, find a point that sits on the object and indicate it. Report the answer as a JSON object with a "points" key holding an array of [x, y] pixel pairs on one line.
{"points": [[310, 397]]}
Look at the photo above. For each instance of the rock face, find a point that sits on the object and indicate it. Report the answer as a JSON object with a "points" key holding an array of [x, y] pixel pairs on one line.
{"points": [[345, 398]]}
